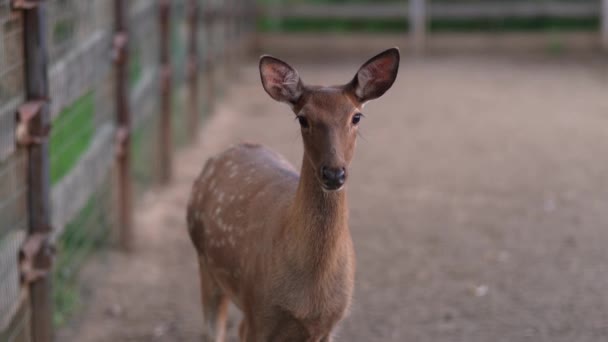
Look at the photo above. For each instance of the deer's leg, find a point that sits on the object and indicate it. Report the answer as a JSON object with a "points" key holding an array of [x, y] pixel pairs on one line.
{"points": [[281, 327], [243, 330], [215, 307], [327, 338]]}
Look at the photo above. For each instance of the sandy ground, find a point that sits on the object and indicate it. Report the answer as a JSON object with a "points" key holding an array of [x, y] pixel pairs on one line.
{"points": [[478, 198]]}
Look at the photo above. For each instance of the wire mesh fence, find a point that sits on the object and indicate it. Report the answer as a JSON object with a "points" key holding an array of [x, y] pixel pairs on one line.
{"points": [[179, 64], [143, 80], [81, 141], [13, 215], [85, 48], [13, 190]]}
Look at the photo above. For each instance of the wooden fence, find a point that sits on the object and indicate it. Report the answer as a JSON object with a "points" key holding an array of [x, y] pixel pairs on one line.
{"points": [[95, 96], [418, 13]]}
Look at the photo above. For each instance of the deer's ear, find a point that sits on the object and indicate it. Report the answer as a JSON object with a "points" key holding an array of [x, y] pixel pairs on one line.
{"points": [[280, 80], [376, 76]]}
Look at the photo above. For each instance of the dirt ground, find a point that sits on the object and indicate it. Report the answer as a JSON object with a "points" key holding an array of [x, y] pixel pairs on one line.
{"points": [[479, 208]]}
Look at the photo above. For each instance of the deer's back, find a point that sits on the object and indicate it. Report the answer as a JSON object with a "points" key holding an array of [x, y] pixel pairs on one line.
{"points": [[238, 198]]}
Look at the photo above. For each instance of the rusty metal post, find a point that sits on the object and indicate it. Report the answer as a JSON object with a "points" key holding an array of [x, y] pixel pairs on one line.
{"points": [[38, 174], [251, 27], [209, 23], [231, 51], [123, 122], [193, 114], [221, 62], [165, 89]]}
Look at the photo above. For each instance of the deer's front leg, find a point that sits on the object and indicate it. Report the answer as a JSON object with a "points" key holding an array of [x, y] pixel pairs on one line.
{"points": [[243, 330], [327, 338]]}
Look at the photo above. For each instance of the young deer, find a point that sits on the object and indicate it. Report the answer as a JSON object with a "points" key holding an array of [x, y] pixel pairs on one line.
{"points": [[274, 242]]}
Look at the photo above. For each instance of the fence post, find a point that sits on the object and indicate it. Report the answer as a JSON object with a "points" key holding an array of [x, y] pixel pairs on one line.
{"points": [[36, 251], [165, 86], [193, 113], [209, 25], [604, 24], [252, 22], [275, 13], [231, 46], [417, 23], [123, 122]]}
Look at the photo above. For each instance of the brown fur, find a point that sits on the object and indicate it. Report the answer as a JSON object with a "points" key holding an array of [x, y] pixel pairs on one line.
{"points": [[272, 241]]}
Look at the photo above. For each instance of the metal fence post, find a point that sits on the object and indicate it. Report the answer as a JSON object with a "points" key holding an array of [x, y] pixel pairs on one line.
{"points": [[123, 122], [165, 66], [604, 24], [209, 23], [232, 51], [193, 111], [417, 23], [36, 252], [252, 22]]}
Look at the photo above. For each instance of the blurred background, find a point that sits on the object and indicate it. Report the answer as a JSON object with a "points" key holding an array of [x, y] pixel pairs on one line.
{"points": [[478, 193]]}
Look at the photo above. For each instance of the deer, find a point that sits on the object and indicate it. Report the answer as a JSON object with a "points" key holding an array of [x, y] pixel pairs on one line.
{"points": [[276, 242]]}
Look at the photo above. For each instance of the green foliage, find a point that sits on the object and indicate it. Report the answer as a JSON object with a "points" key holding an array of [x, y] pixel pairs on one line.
{"points": [[71, 135], [539, 24], [516, 25], [86, 233], [331, 25], [63, 30]]}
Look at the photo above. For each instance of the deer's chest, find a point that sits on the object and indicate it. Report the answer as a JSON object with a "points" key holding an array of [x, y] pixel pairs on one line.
{"points": [[315, 298]]}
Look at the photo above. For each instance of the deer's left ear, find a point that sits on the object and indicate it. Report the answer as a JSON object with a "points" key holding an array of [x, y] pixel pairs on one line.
{"points": [[376, 76]]}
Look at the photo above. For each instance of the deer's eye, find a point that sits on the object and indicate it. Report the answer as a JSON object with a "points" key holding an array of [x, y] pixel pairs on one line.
{"points": [[356, 118], [303, 122]]}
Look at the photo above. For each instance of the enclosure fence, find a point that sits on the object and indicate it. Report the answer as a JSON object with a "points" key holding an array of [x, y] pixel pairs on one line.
{"points": [[419, 13], [95, 97]]}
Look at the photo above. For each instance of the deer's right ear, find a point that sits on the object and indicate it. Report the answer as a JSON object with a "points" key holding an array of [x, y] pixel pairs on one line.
{"points": [[280, 80]]}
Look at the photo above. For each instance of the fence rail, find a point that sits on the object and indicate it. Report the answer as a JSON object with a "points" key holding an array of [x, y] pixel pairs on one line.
{"points": [[117, 84], [439, 10], [419, 12]]}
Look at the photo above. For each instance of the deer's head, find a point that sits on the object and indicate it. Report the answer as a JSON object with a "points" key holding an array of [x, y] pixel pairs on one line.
{"points": [[330, 116]]}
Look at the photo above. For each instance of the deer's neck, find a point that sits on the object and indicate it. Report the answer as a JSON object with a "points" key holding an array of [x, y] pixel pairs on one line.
{"points": [[321, 222]]}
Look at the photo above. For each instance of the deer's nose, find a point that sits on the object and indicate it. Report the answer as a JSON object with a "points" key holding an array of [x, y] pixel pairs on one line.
{"points": [[333, 178]]}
